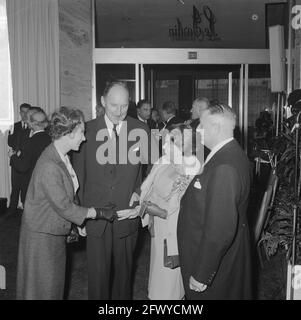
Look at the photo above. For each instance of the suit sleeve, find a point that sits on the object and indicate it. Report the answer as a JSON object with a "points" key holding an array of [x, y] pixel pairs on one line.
{"points": [[11, 139], [220, 224], [79, 165], [23, 162], [56, 194]]}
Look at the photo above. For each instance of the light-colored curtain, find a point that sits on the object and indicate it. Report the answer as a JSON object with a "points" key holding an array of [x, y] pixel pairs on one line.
{"points": [[33, 27], [6, 102]]}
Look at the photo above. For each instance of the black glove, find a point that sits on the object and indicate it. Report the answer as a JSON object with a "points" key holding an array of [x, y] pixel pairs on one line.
{"points": [[107, 212]]}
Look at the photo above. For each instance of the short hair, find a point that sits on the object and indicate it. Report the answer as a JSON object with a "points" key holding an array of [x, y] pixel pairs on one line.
{"points": [[65, 121], [169, 107], [222, 110], [142, 102], [201, 99], [112, 84], [25, 105], [36, 109], [39, 117]]}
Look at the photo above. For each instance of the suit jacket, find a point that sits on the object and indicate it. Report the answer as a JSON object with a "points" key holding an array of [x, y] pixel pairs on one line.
{"points": [[213, 233], [174, 120], [150, 122], [33, 147], [109, 182], [49, 206], [17, 140]]}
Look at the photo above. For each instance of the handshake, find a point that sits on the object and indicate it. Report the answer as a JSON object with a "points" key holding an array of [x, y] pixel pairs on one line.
{"points": [[107, 213]]}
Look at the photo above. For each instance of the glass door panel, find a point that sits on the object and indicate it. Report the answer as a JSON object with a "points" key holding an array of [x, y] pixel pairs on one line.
{"points": [[261, 108], [115, 72]]}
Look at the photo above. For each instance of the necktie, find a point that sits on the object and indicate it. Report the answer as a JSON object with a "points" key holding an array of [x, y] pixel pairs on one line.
{"points": [[115, 132], [117, 142]]}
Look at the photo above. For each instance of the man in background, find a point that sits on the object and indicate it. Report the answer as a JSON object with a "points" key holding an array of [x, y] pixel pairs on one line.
{"points": [[168, 116], [144, 111], [16, 141], [198, 105], [24, 161]]}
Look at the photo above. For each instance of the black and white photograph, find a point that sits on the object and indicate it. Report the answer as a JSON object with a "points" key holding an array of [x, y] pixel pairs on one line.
{"points": [[150, 150]]}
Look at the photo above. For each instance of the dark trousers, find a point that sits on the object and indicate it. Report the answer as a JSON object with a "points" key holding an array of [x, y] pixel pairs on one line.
{"points": [[18, 184], [100, 251]]}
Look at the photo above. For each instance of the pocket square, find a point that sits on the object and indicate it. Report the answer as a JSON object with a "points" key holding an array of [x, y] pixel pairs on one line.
{"points": [[197, 184]]}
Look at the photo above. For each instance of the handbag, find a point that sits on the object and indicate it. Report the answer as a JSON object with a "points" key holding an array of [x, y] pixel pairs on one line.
{"points": [[170, 262], [73, 235]]}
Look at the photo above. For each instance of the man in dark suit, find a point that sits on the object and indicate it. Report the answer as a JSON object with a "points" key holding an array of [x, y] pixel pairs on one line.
{"points": [[213, 233], [168, 115], [108, 176], [144, 111], [169, 118], [25, 161], [16, 141]]}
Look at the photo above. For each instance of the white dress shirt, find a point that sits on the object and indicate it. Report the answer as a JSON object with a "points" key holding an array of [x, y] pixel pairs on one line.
{"points": [[70, 169], [145, 121], [217, 148], [110, 125]]}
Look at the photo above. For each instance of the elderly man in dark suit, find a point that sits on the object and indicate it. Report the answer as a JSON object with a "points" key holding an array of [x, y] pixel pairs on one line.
{"points": [[25, 161], [16, 141], [213, 233], [107, 175]]}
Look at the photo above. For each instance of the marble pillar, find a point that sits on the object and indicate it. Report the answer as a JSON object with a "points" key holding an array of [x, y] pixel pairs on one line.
{"points": [[75, 22]]}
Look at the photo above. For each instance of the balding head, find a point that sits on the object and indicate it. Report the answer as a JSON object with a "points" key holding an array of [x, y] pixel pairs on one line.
{"points": [[199, 104], [218, 122], [37, 120]]}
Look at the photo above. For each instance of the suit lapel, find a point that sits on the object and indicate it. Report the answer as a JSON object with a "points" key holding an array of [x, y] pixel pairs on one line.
{"points": [[58, 160]]}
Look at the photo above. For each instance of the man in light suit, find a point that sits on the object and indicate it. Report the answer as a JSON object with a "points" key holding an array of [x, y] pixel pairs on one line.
{"points": [[213, 233], [102, 181]]}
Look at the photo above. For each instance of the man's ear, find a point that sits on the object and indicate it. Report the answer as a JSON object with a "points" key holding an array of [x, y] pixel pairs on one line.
{"points": [[102, 99]]}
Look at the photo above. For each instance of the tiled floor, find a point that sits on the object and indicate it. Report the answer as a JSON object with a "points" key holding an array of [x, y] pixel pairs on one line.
{"points": [[271, 282]]}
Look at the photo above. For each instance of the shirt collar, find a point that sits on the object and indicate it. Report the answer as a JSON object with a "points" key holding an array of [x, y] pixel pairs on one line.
{"points": [[37, 132], [170, 118], [217, 148], [110, 125], [145, 121], [63, 157]]}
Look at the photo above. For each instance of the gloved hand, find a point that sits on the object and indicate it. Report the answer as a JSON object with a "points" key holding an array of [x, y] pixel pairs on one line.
{"points": [[107, 212]]}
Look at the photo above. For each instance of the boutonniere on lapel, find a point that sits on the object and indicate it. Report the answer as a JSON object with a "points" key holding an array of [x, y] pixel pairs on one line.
{"points": [[197, 184]]}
